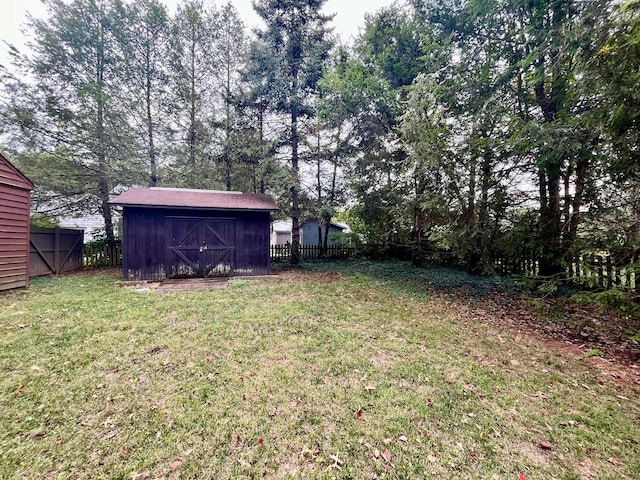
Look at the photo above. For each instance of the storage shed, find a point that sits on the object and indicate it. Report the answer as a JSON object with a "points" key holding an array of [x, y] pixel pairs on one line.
{"points": [[15, 203], [176, 233]]}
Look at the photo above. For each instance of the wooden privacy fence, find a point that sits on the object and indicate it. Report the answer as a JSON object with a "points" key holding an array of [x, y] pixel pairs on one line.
{"points": [[103, 255], [592, 271], [54, 251], [282, 253]]}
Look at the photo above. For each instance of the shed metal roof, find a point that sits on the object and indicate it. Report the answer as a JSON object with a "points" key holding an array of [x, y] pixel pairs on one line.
{"points": [[154, 197]]}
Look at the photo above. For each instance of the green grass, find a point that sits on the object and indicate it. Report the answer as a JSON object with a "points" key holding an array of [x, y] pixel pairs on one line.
{"points": [[320, 373]]}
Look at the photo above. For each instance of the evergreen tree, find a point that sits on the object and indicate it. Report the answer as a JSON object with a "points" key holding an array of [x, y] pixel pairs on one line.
{"points": [[291, 56], [143, 42], [195, 105], [230, 57], [70, 109]]}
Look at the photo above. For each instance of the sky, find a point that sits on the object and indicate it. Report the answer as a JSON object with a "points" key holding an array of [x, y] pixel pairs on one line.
{"points": [[349, 17]]}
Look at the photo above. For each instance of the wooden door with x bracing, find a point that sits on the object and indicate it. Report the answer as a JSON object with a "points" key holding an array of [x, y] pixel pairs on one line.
{"points": [[202, 247]]}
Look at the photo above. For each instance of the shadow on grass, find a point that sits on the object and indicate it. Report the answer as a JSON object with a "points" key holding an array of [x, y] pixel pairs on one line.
{"points": [[449, 279]]}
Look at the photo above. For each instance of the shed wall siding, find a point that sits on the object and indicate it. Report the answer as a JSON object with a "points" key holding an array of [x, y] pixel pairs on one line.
{"points": [[14, 235], [147, 238], [11, 177]]}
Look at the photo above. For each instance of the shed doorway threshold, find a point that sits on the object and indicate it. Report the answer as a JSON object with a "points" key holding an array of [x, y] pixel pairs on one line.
{"points": [[193, 284]]}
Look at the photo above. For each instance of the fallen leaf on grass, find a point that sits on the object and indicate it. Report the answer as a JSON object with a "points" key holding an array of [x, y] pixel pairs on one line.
{"points": [[522, 477], [18, 392], [430, 403], [613, 461], [376, 453], [175, 464], [402, 438], [359, 414], [136, 475], [260, 441], [545, 445], [386, 455], [387, 441]]}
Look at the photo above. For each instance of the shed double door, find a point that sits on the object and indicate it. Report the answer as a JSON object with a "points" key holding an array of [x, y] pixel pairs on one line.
{"points": [[202, 247]]}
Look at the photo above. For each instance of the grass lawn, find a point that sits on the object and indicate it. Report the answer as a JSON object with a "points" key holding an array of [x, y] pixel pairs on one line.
{"points": [[327, 372]]}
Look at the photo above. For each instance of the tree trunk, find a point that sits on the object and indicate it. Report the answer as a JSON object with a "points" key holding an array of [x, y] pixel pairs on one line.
{"points": [[105, 210], [193, 174], [101, 153], [295, 184], [550, 227], [486, 250], [574, 220], [227, 126], [153, 164]]}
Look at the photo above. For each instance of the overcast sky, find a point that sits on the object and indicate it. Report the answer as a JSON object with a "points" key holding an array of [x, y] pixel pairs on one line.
{"points": [[349, 17]]}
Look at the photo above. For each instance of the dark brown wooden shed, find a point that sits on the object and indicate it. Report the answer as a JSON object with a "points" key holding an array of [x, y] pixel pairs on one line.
{"points": [[175, 233], [15, 203]]}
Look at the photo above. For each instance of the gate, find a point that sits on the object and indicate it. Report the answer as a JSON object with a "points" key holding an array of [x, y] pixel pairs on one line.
{"points": [[54, 250]]}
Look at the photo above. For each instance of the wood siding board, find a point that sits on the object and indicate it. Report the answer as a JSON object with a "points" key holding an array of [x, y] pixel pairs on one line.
{"points": [[11, 176], [15, 223], [14, 227], [13, 234], [10, 192], [14, 202], [13, 284], [12, 270]]}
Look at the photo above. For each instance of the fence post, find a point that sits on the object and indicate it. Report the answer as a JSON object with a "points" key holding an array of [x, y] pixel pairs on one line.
{"points": [[56, 252]]}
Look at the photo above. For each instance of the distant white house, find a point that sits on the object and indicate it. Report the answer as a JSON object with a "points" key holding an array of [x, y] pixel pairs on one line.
{"points": [[281, 232], [91, 224]]}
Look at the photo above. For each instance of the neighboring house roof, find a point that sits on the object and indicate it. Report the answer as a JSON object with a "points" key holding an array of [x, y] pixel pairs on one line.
{"points": [[154, 197], [11, 176]]}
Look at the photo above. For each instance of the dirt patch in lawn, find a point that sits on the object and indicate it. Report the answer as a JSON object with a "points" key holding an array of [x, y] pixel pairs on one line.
{"points": [[601, 337]]}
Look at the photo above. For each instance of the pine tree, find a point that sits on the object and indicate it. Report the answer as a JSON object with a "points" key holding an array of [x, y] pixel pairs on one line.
{"points": [[291, 55], [70, 110]]}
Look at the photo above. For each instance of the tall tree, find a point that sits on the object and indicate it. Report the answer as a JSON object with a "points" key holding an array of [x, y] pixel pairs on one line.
{"points": [[193, 34], [513, 87], [143, 43], [291, 55], [230, 57], [70, 109], [386, 60], [555, 115]]}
